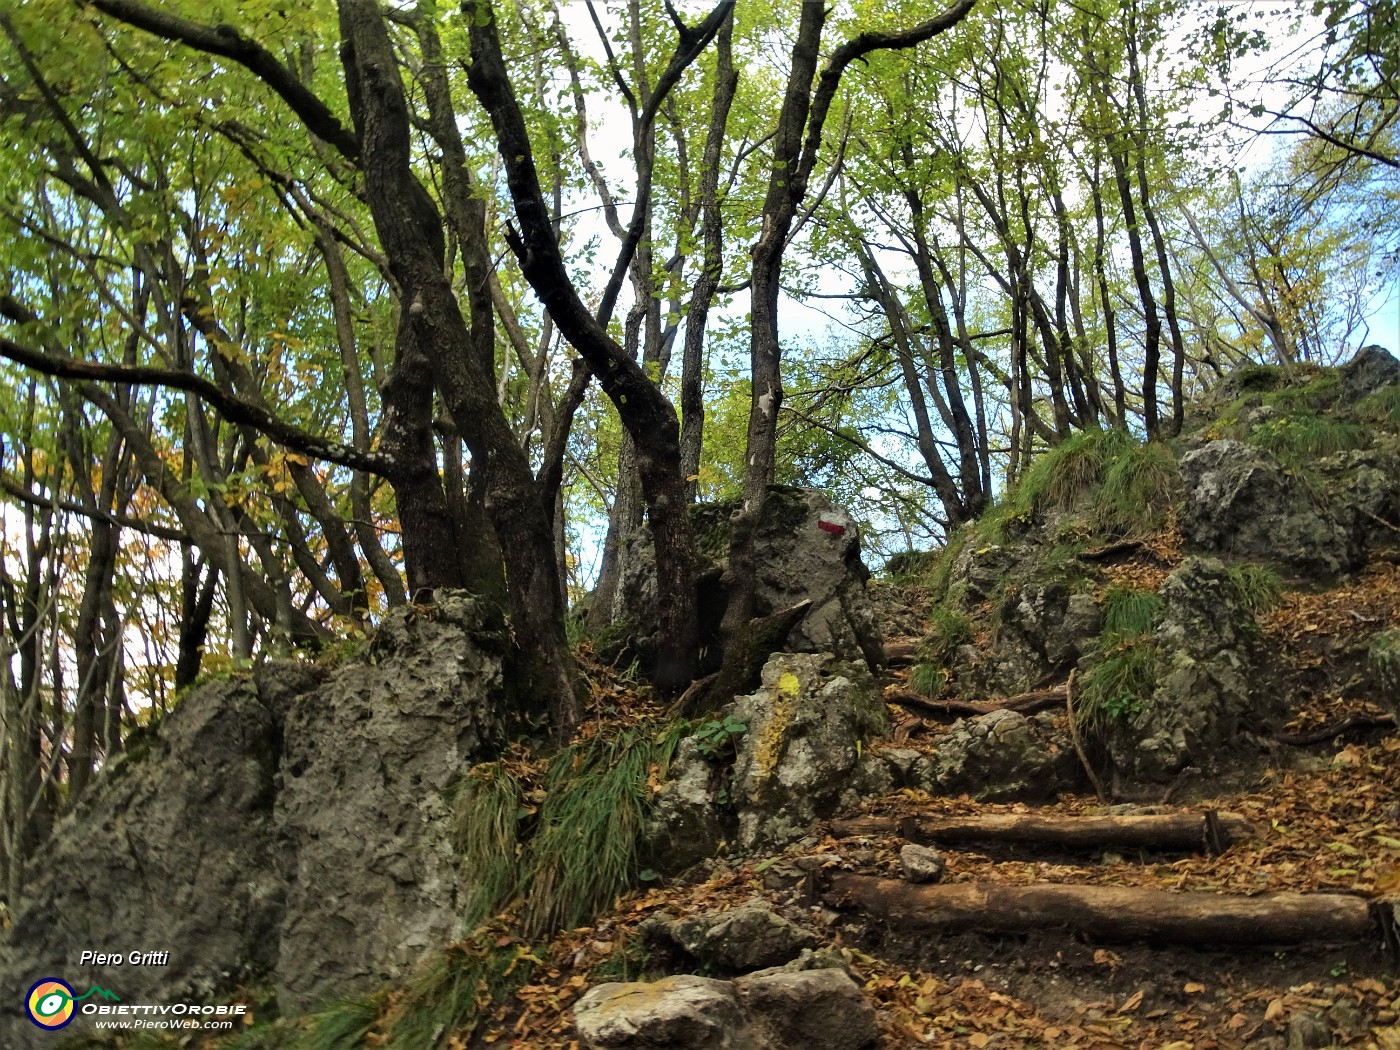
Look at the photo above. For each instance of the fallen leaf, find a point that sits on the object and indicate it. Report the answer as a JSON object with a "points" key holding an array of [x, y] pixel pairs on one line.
{"points": [[1274, 1011], [1132, 1003], [1193, 988]]}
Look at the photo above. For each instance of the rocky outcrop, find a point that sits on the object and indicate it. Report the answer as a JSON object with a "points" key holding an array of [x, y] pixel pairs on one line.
{"points": [[1205, 644], [1241, 503], [1373, 367], [807, 549], [364, 807], [173, 849], [1043, 629], [769, 1011], [802, 757], [281, 828]]}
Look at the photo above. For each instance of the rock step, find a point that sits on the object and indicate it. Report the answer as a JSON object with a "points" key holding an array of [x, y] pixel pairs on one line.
{"points": [[1210, 832]]}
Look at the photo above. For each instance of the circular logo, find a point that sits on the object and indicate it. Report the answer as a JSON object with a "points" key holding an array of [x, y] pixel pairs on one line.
{"points": [[50, 1003]]}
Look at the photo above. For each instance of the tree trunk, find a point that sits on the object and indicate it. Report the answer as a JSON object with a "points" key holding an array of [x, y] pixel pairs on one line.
{"points": [[461, 357]]}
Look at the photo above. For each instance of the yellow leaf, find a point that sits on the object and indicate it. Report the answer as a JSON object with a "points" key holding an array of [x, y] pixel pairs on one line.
{"points": [[1134, 1001], [977, 1039], [1193, 988], [1274, 1011]]}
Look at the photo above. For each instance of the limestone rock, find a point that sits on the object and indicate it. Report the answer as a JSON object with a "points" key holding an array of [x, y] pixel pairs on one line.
{"points": [[687, 822], [364, 801], [173, 848], [1206, 642], [739, 940], [1000, 757], [284, 829], [807, 549], [810, 1009], [1242, 503], [674, 1013], [921, 863], [821, 1009], [1372, 368], [803, 755]]}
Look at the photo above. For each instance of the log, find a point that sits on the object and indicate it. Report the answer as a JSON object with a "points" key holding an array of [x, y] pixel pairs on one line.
{"points": [[1111, 913], [1161, 832], [900, 653], [1331, 732]]}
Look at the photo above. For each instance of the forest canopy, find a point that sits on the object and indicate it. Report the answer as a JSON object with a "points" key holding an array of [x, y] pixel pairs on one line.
{"points": [[309, 309]]}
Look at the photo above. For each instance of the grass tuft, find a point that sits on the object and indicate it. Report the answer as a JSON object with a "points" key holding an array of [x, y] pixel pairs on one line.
{"points": [[1126, 486], [1257, 587], [1129, 612], [488, 810], [1297, 438], [947, 629], [1139, 486], [1381, 406], [1255, 377], [454, 991], [928, 679], [1116, 687], [584, 851]]}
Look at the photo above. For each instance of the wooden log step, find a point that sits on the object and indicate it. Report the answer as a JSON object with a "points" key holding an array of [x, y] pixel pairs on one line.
{"points": [[1112, 913], [1162, 832]]}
